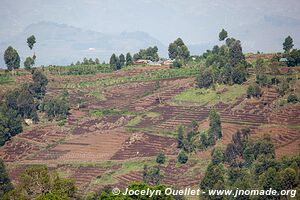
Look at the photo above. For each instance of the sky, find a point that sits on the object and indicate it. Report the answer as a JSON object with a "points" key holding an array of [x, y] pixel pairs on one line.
{"points": [[260, 25]]}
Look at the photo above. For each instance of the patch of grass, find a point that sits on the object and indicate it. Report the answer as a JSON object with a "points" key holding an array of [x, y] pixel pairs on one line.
{"points": [[111, 112], [127, 167], [135, 121], [203, 96], [6, 79], [98, 95], [152, 114]]}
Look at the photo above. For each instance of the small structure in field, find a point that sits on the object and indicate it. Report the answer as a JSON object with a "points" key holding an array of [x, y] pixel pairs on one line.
{"points": [[141, 61], [284, 60], [168, 62]]}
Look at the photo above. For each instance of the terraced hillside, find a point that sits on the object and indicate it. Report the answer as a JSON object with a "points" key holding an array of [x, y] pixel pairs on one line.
{"points": [[124, 123]]}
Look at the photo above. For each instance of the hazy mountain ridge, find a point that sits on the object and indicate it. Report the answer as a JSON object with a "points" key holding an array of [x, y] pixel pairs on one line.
{"points": [[63, 44]]}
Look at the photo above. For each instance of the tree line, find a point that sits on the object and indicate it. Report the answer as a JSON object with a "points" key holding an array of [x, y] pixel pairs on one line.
{"points": [[251, 164]]}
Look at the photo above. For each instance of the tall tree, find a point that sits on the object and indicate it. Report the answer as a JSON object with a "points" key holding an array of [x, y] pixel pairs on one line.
{"points": [[122, 59], [178, 49], [10, 124], [5, 184], [223, 35], [113, 60], [38, 87], [128, 59], [215, 124], [288, 44], [236, 55], [31, 41], [25, 103], [28, 63], [11, 58]]}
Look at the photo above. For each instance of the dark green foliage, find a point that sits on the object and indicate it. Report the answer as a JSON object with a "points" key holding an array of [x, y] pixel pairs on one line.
{"points": [[254, 91], [264, 146], [269, 179], [288, 178], [51, 196], [217, 156], [178, 49], [205, 79], [230, 153], [262, 80], [237, 146], [255, 168], [38, 183], [204, 143], [5, 184], [180, 137], [235, 173], [293, 58], [227, 63], [215, 127], [31, 41], [239, 74], [182, 157], [177, 63], [56, 108], [129, 60], [236, 55], [115, 62], [213, 174], [122, 59], [292, 98], [11, 58], [25, 103], [151, 175], [223, 35], [38, 87], [10, 124], [161, 158], [147, 54], [28, 63], [288, 44]]}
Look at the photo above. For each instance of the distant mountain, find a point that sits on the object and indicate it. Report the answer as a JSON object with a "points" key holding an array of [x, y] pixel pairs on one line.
{"points": [[60, 44]]}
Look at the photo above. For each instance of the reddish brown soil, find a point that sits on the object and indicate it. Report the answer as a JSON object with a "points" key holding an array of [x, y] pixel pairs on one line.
{"points": [[97, 146], [15, 151], [145, 145]]}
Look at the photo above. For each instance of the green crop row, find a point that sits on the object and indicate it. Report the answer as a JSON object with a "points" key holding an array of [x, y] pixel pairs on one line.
{"points": [[148, 76]]}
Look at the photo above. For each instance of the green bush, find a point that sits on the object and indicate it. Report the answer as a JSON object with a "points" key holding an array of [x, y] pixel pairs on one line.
{"points": [[182, 158], [55, 108], [161, 158], [292, 98], [254, 91], [205, 79], [177, 63]]}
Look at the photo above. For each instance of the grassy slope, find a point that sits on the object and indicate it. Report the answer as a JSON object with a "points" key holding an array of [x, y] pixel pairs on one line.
{"points": [[209, 96]]}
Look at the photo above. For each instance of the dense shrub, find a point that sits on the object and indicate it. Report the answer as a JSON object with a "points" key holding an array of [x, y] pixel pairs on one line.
{"points": [[56, 108], [254, 91], [182, 157], [205, 79], [292, 98], [161, 158], [177, 63]]}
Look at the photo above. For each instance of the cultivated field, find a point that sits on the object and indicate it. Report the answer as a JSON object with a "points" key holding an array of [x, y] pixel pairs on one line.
{"points": [[131, 115]]}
